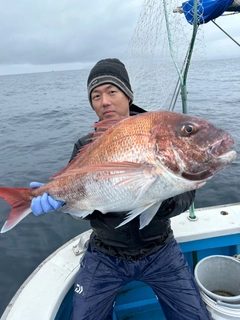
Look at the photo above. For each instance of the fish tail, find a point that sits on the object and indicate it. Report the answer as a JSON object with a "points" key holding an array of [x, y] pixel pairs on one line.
{"points": [[19, 199]]}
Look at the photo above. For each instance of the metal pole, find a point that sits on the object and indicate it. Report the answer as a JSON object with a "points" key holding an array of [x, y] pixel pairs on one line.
{"points": [[184, 84]]}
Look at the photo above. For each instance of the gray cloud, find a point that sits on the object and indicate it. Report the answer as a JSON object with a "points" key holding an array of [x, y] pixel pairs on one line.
{"points": [[57, 34], [47, 32]]}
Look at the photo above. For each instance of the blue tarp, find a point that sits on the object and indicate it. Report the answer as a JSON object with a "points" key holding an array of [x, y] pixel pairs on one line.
{"points": [[207, 10]]}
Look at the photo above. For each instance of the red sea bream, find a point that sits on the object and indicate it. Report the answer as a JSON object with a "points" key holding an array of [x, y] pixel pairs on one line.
{"points": [[133, 165]]}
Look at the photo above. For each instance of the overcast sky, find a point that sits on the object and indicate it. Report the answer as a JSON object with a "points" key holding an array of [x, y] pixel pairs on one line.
{"points": [[44, 35]]}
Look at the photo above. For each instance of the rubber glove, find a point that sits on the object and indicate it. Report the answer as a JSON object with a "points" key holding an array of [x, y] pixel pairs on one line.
{"points": [[43, 203]]}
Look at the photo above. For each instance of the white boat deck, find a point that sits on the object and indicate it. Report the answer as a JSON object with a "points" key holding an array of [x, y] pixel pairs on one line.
{"points": [[55, 276], [211, 222]]}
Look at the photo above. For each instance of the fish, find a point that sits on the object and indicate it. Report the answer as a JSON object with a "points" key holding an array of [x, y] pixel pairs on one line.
{"points": [[131, 165]]}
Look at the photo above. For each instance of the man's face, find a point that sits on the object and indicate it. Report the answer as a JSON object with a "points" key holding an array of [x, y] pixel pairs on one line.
{"points": [[108, 102]]}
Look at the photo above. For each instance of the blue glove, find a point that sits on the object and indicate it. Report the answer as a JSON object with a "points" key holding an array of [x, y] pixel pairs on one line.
{"points": [[44, 203]]}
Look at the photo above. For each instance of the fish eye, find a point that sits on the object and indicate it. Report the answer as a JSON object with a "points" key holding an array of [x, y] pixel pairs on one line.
{"points": [[188, 129]]}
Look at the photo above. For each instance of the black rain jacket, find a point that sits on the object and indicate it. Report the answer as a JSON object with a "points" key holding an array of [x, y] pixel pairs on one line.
{"points": [[128, 242]]}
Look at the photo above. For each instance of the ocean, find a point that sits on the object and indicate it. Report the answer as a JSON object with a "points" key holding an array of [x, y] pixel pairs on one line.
{"points": [[43, 114]]}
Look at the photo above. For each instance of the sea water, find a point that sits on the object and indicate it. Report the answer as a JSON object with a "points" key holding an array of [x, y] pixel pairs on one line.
{"points": [[43, 114]]}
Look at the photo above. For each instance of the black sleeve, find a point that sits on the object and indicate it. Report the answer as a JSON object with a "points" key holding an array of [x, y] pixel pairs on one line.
{"points": [[79, 144], [176, 205], [76, 148]]}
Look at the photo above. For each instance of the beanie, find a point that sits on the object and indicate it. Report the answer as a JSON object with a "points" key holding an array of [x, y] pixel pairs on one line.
{"points": [[110, 71]]}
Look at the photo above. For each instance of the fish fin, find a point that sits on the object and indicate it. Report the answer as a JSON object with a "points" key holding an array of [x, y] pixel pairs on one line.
{"points": [[117, 169], [101, 127], [139, 176], [19, 199], [71, 164], [140, 182], [148, 214], [136, 212], [75, 212]]}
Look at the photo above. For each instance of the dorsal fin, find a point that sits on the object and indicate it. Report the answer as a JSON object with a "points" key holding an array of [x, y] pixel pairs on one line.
{"points": [[100, 128], [103, 126]]}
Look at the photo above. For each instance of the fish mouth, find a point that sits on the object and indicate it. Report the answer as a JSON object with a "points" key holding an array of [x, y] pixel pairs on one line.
{"points": [[221, 158], [220, 152], [219, 148]]}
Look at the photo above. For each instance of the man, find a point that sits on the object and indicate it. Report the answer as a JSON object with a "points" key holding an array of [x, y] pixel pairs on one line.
{"points": [[117, 256]]}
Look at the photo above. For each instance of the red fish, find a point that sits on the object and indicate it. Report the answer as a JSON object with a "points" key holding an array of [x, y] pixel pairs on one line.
{"points": [[133, 166]]}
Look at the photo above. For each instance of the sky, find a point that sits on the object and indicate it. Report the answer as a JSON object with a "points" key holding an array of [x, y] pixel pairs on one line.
{"points": [[46, 35]]}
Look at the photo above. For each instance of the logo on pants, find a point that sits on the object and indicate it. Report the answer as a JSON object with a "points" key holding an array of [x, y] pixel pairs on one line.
{"points": [[78, 289]]}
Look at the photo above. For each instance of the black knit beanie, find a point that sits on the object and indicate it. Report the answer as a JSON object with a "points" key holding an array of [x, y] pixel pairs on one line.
{"points": [[111, 71]]}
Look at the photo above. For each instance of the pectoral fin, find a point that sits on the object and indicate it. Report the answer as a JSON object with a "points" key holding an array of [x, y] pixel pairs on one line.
{"points": [[146, 214], [137, 175], [115, 169]]}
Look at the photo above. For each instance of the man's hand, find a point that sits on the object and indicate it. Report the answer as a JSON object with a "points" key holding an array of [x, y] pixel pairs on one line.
{"points": [[44, 203]]}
